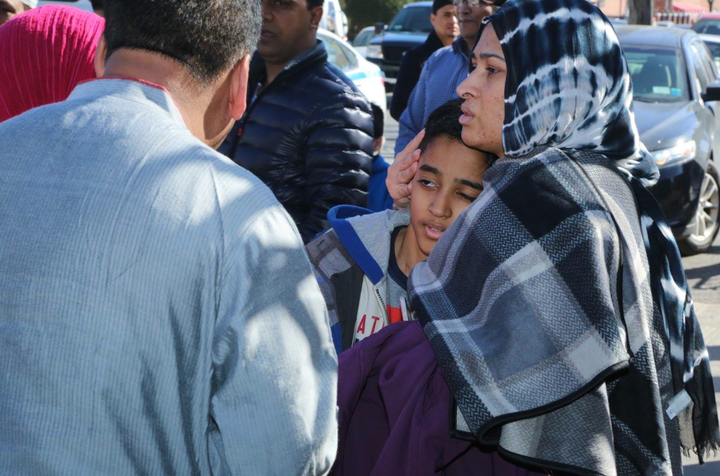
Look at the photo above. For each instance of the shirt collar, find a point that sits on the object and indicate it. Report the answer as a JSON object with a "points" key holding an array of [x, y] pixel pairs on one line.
{"points": [[131, 89]]}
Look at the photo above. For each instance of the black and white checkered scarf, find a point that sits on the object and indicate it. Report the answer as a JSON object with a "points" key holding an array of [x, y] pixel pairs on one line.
{"points": [[557, 304]]}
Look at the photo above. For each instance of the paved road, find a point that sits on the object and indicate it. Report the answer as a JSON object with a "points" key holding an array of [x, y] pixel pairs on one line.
{"points": [[703, 273]]}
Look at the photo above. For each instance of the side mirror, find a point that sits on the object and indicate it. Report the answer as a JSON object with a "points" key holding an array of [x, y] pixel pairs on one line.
{"points": [[379, 28], [712, 93]]}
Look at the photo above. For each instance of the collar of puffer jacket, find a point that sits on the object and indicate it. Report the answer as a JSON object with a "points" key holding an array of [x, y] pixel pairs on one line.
{"points": [[305, 60]]}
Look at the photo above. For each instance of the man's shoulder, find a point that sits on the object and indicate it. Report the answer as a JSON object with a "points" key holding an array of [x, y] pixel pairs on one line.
{"points": [[445, 53]]}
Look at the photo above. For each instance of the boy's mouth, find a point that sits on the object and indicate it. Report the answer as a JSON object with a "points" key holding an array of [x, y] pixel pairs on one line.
{"points": [[433, 230]]}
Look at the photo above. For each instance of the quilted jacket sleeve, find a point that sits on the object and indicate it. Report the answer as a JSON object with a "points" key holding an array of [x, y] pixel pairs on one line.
{"points": [[338, 159]]}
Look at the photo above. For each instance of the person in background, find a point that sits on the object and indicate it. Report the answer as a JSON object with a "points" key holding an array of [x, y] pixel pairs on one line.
{"points": [[364, 291], [445, 31], [308, 130], [379, 198], [443, 72], [11, 8], [98, 7], [44, 54], [158, 314]]}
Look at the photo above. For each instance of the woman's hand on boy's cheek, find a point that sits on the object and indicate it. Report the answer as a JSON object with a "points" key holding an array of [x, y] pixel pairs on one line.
{"points": [[402, 172]]}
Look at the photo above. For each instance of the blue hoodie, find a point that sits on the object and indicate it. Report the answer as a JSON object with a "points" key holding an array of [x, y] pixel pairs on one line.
{"points": [[379, 198], [351, 265]]}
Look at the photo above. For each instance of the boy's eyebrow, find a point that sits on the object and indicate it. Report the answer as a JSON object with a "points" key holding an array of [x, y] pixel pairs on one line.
{"points": [[490, 55], [432, 170], [468, 183]]}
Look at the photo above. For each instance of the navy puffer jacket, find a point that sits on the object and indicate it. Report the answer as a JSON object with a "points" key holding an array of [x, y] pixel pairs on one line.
{"points": [[308, 136]]}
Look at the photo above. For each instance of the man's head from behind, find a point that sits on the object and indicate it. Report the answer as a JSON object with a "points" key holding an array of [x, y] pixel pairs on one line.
{"points": [[449, 178], [289, 28], [210, 39], [444, 20]]}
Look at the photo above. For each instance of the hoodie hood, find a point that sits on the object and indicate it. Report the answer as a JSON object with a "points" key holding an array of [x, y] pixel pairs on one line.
{"points": [[366, 236]]}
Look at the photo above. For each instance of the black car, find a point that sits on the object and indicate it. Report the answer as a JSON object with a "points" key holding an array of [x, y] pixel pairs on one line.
{"points": [[410, 28], [675, 90]]}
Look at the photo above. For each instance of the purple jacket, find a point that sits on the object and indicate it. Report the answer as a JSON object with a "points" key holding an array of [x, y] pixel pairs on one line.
{"points": [[394, 413]]}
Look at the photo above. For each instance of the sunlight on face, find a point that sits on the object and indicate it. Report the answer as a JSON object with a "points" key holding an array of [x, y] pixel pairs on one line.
{"points": [[484, 94], [448, 181]]}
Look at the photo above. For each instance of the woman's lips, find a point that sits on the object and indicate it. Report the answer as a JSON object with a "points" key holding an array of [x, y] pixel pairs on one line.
{"points": [[466, 117]]}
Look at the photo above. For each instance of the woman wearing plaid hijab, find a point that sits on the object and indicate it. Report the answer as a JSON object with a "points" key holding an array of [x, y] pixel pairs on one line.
{"points": [[557, 305]]}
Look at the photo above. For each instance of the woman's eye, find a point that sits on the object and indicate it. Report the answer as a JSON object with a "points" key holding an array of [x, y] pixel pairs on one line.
{"points": [[492, 71], [427, 183]]}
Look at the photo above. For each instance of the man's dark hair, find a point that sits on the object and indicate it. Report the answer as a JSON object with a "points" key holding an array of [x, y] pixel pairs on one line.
{"points": [[378, 121], [315, 3], [207, 36], [438, 4], [444, 123]]}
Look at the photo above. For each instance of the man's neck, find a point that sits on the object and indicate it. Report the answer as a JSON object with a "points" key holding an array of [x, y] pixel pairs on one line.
{"points": [[445, 40], [407, 251], [272, 71], [168, 73], [470, 42]]}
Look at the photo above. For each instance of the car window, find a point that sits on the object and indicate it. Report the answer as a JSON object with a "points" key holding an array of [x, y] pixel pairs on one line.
{"points": [[707, 27], [658, 75], [336, 55], [703, 79], [707, 61], [412, 19], [714, 50], [363, 39]]}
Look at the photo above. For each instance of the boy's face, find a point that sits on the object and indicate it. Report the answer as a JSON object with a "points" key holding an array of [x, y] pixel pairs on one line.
{"points": [[448, 181]]}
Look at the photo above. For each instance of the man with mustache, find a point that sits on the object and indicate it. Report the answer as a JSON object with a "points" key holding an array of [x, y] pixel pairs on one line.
{"points": [[308, 130], [443, 72]]}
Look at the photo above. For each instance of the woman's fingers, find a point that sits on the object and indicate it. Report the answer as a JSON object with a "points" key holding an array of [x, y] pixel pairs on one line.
{"points": [[402, 171], [407, 174]]}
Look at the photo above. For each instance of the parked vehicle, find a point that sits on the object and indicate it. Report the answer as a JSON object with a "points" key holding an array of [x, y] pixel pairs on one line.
{"points": [[366, 76], [708, 24], [676, 109], [363, 39], [713, 44], [81, 4], [408, 29], [334, 18]]}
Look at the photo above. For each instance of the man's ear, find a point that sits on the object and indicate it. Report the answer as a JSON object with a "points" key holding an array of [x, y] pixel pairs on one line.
{"points": [[238, 87], [99, 60], [315, 17], [433, 17]]}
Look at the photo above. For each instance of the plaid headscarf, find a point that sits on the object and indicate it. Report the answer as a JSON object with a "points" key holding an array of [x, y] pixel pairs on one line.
{"points": [[556, 304]]}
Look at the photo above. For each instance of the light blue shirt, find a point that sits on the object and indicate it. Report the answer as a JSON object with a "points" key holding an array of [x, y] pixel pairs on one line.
{"points": [[442, 74], [158, 314]]}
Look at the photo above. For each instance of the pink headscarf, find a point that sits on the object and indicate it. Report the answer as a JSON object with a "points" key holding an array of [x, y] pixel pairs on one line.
{"points": [[44, 54]]}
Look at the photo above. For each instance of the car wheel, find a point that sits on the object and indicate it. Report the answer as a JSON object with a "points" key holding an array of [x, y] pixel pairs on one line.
{"points": [[707, 222]]}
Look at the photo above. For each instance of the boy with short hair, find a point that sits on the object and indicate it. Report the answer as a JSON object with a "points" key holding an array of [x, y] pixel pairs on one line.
{"points": [[363, 262]]}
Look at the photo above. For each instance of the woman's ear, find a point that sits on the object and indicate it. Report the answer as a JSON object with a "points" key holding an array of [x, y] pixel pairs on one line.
{"points": [[99, 60]]}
